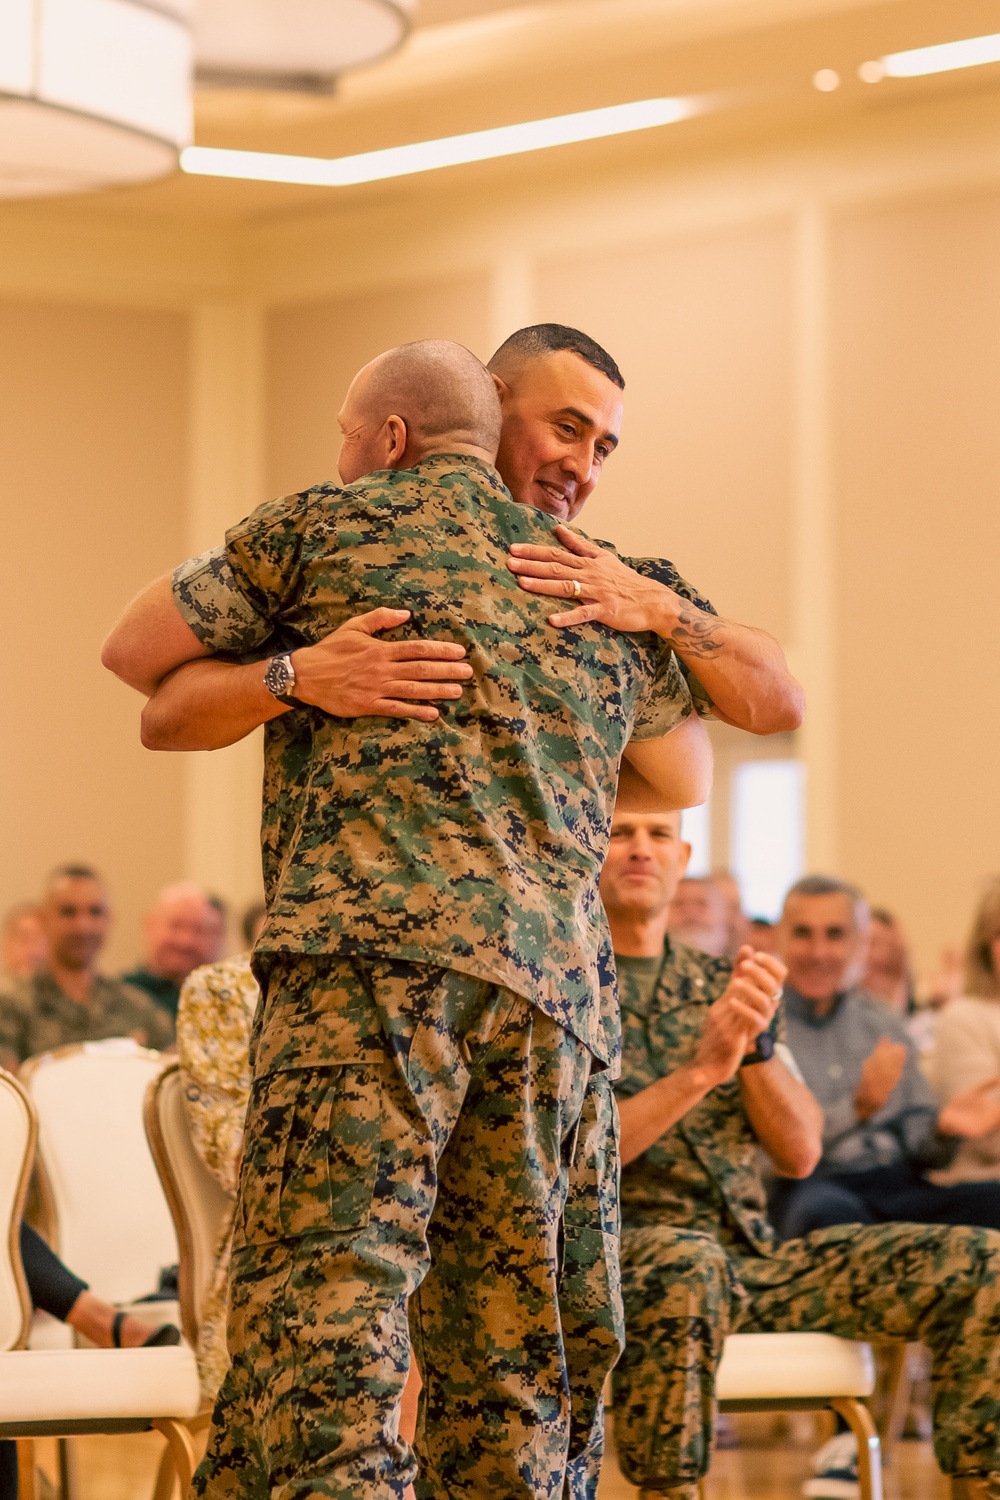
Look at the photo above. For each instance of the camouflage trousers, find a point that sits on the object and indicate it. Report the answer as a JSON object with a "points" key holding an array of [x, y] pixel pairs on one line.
{"points": [[410, 1141], [684, 1293]]}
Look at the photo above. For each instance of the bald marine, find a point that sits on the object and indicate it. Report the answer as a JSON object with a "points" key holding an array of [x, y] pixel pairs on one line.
{"points": [[432, 396]]}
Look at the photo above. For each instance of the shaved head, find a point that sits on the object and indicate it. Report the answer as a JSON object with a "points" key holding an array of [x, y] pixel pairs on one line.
{"points": [[433, 396]]}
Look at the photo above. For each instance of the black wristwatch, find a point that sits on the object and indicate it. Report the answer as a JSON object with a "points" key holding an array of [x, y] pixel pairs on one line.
{"points": [[762, 1052], [279, 679]]}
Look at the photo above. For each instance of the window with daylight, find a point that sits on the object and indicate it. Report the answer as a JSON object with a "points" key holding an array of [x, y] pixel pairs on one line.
{"points": [[767, 832], [696, 829]]}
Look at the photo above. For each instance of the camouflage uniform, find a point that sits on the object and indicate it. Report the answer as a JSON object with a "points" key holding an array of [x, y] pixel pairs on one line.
{"points": [[36, 1016], [700, 1260], [436, 969]]}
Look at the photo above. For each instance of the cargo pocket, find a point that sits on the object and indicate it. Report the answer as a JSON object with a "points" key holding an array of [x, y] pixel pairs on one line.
{"points": [[312, 1152]]}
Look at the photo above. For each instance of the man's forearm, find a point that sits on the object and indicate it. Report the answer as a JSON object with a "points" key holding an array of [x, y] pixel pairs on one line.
{"points": [[650, 1114], [784, 1115], [669, 773], [742, 669], [206, 705]]}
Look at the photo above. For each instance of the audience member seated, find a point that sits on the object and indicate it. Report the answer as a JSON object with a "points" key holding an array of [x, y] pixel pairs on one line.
{"points": [[967, 1052], [184, 930], [54, 1289], [888, 975], [67, 999], [217, 1006], [24, 945], [737, 925], [883, 1130], [700, 1092], [762, 935], [699, 917]]}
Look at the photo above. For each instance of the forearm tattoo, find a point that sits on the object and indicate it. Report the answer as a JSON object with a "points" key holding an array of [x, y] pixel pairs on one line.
{"points": [[697, 634]]}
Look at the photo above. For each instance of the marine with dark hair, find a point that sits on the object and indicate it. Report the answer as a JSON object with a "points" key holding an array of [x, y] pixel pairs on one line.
{"points": [[437, 1006], [67, 999]]}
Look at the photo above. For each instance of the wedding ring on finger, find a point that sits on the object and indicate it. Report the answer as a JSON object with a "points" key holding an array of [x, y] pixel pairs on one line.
{"points": [[577, 590]]}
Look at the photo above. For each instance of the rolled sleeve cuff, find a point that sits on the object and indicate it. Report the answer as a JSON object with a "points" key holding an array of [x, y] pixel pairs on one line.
{"points": [[668, 703], [210, 600]]}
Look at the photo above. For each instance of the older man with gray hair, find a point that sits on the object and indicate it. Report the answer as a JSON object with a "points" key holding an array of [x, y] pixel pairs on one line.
{"points": [[883, 1130]]}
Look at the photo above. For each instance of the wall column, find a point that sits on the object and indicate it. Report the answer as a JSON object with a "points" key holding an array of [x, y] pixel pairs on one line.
{"points": [[512, 296], [814, 618], [222, 787]]}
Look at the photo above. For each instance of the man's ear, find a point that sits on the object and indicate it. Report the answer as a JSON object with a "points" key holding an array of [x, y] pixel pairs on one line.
{"points": [[396, 438], [503, 389]]}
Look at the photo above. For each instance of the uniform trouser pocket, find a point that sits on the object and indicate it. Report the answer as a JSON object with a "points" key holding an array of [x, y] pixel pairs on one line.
{"points": [[312, 1153]]}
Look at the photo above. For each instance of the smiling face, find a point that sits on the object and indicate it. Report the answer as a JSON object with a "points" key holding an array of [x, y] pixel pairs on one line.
{"points": [[645, 862], [561, 422], [822, 944]]}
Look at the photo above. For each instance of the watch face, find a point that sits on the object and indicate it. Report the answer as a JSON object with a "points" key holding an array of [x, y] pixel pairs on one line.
{"points": [[278, 678]]}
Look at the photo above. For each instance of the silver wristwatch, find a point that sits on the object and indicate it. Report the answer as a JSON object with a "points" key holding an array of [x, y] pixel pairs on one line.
{"points": [[279, 679]]}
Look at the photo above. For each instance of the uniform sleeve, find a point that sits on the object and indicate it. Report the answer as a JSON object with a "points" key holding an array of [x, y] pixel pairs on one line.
{"points": [[664, 572], [667, 703], [209, 599], [267, 552]]}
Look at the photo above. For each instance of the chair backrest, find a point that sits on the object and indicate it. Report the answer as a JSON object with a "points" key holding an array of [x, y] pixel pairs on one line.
{"points": [[110, 1220], [18, 1133], [199, 1205]]}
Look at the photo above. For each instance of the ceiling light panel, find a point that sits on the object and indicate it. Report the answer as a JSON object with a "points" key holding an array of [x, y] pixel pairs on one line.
{"points": [[427, 156], [944, 58]]}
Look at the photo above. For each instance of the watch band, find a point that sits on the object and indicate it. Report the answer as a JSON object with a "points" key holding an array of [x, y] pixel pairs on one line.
{"points": [[762, 1052], [279, 679]]}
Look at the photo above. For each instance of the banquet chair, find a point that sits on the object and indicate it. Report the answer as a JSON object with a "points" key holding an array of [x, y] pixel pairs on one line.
{"points": [[199, 1207], [783, 1372], [69, 1392], [102, 1206]]}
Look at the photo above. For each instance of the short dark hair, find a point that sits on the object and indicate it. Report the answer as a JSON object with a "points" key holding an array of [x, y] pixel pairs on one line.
{"points": [[829, 885], [550, 338], [73, 872]]}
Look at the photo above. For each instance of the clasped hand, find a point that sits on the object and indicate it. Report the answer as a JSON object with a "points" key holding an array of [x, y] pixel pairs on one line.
{"points": [[744, 1009]]}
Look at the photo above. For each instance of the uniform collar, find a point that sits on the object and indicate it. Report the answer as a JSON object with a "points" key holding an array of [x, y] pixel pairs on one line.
{"points": [[801, 1009], [436, 464]]}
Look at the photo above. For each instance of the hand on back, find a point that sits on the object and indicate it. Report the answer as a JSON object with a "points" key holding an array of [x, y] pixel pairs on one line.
{"points": [[744, 1009], [609, 590], [351, 673]]}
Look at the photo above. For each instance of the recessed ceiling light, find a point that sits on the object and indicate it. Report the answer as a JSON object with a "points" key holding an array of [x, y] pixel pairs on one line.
{"points": [[826, 80], [871, 72], [425, 156], [970, 53]]}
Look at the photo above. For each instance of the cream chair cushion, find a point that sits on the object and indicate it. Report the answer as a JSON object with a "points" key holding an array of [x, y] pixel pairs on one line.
{"points": [[15, 1139], [772, 1366], [79, 1385], [114, 1227]]}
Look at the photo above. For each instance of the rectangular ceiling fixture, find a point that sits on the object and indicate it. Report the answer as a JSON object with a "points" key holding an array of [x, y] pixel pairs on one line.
{"points": [[943, 58], [426, 156]]}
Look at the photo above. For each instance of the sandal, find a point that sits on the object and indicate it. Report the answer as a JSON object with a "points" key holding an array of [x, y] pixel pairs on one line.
{"points": [[166, 1335]]}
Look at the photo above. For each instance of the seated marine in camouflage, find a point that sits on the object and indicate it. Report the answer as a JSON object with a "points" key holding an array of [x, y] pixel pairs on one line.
{"points": [[706, 1080], [435, 993]]}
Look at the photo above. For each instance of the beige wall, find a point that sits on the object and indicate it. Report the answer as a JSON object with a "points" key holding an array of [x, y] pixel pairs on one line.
{"points": [[917, 359], [92, 474], [314, 351]]}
